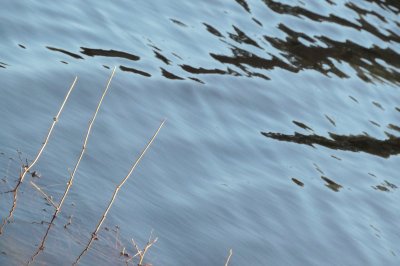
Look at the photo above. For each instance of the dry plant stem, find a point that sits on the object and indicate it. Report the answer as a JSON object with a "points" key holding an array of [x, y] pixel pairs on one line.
{"points": [[49, 200], [44, 144], [229, 257], [94, 234], [72, 174], [29, 167], [142, 253]]}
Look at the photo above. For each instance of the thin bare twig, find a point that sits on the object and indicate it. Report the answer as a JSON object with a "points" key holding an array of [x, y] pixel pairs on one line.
{"points": [[94, 234], [229, 257], [26, 168], [48, 198], [72, 174], [142, 252]]}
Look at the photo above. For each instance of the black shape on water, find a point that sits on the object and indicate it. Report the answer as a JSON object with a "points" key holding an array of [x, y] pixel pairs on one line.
{"points": [[244, 4], [76, 56], [302, 125], [378, 105], [354, 99], [129, 69], [197, 80], [385, 186], [331, 184], [22, 46], [331, 120], [241, 37], [257, 21], [355, 143], [64, 62], [3, 65], [213, 30], [394, 127], [302, 12], [201, 70], [298, 182], [320, 58], [242, 57], [109, 53], [177, 22], [177, 56], [387, 4], [374, 123], [364, 12], [162, 58], [169, 75]]}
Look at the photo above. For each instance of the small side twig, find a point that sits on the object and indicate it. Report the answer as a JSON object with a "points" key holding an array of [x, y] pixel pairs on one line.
{"points": [[48, 198], [69, 222], [94, 234]]}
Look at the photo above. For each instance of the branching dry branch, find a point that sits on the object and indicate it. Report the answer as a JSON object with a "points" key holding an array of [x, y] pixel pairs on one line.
{"points": [[142, 252], [94, 234]]}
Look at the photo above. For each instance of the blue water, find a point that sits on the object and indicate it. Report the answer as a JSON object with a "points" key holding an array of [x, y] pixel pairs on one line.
{"points": [[221, 73]]}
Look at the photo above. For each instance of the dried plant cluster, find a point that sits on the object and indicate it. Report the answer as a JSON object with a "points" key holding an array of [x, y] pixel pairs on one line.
{"points": [[27, 167], [139, 253]]}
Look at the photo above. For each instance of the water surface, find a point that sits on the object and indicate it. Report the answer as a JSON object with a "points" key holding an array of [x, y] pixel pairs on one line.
{"points": [[281, 141]]}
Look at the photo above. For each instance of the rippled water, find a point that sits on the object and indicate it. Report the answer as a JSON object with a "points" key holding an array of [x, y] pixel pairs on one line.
{"points": [[281, 142]]}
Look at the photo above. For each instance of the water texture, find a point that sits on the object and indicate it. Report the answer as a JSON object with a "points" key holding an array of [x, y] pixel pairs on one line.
{"points": [[282, 138]]}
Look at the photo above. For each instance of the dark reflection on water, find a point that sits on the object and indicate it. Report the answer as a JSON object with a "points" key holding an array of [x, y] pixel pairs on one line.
{"points": [[76, 56], [320, 58], [162, 58], [386, 186], [244, 4], [169, 75], [133, 70], [241, 37], [298, 182], [109, 53], [299, 11], [331, 184], [392, 5], [356, 143], [302, 51]]}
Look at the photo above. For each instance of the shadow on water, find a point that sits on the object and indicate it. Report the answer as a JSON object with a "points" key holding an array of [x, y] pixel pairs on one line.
{"points": [[300, 51], [357, 143]]}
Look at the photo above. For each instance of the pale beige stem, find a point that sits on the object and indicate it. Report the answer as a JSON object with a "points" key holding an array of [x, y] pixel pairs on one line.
{"points": [[94, 234], [229, 257], [72, 174], [44, 144], [28, 167]]}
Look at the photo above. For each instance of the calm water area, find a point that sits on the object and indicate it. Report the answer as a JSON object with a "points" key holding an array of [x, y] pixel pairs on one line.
{"points": [[282, 137]]}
